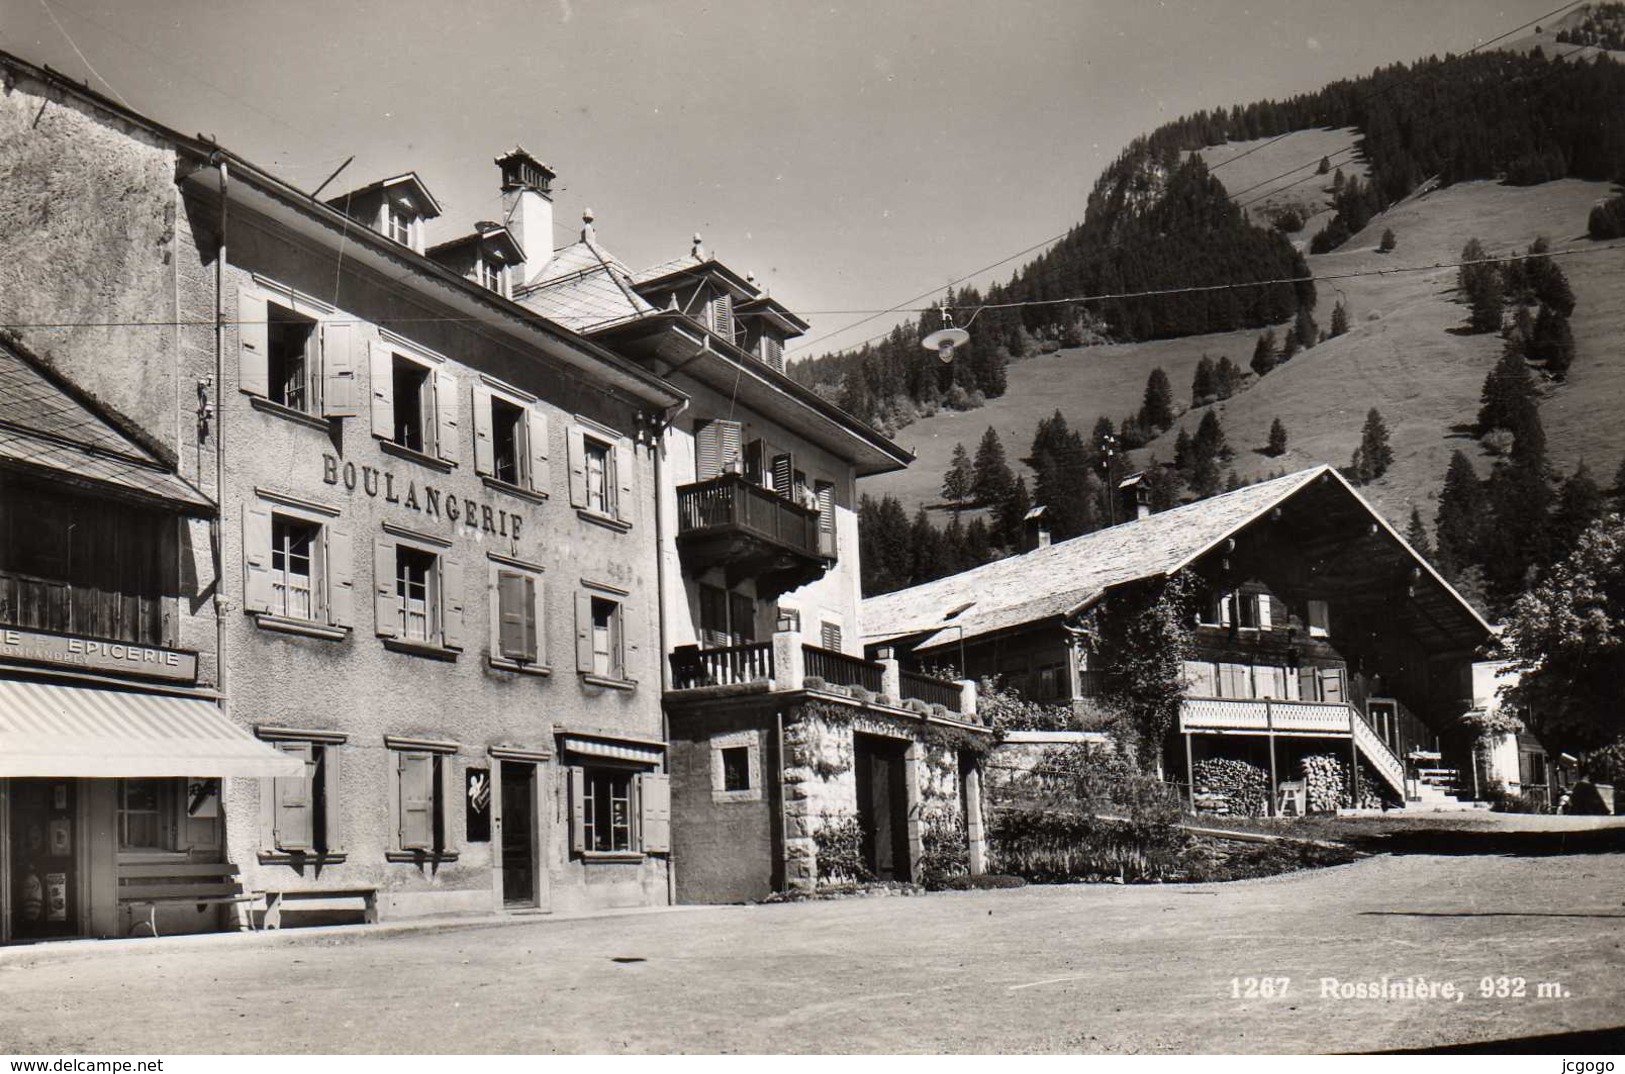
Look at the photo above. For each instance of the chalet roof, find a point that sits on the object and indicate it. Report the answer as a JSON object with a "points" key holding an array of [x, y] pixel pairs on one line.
{"points": [[584, 287], [1053, 582], [45, 427]]}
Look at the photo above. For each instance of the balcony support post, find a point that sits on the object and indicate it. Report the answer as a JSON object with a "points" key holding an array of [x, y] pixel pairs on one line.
{"points": [[1190, 772], [967, 698], [1269, 726], [1354, 757], [891, 678], [789, 662]]}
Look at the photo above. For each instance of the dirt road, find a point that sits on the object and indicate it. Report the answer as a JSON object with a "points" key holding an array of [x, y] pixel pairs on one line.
{"points": [[1073, 969]]}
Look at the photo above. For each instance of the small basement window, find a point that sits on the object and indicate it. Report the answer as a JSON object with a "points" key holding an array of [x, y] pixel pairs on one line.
{"points": [[736, 768]]}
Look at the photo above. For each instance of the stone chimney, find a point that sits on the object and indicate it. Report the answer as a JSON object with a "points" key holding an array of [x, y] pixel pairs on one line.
{"points": [[527, 209]]}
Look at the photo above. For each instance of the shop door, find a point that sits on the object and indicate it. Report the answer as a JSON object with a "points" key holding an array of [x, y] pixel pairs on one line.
{"points": [[882, 805], [44, 859], [518, 834]]}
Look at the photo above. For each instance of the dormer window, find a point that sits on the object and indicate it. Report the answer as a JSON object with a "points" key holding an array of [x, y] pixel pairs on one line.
{"points": [[491, 275], [398, 220]]}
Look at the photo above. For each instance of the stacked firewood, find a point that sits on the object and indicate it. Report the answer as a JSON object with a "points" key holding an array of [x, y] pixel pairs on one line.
{"points": [[1324, 781], [1232, 788]]}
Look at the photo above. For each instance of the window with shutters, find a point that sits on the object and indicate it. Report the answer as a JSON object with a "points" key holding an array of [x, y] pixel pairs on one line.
{"points": [[410, 388], [299, 814], [292, 362], [618, 811], [516, 632], [829, 637], [418, 593], [601, 472], [601, 636], [297, 567], [606, 628], [510, 438], [718, 448], [290, 358], [420, 774], [416, 410], [726, 617]]}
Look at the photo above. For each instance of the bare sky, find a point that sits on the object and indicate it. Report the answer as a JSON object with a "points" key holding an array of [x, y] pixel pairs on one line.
{"points": [[851, 154]]}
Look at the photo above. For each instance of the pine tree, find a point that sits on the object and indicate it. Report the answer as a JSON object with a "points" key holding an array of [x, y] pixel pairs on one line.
{"points": [[1277, 441], [1232, 480], [1264, 352], [1340, 320], [1508, 395], [1516, 542], [1227, 377], [1325, 166], [1289, 346], [1416, 535], [955, 558], [959, 484], [1210, 441], [1459, 523], [925, 549], [1157, 408], [1204, 386], [1552, 342], [1307, 331], [1580, 503], [1375, 454], [1387, 244], [1185, 453], [978, 545], [992, 481], [1011, 515], [1485, 303]]}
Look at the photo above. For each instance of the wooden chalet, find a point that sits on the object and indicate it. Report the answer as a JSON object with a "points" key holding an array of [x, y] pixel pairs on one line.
{"points": [[1319, 630]]}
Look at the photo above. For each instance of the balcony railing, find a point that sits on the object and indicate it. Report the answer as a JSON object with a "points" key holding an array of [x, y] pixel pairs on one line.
{"points": [[838, 669], [931, 690], [1263, 714], [731, 504], [58, 607], [731, 665]]}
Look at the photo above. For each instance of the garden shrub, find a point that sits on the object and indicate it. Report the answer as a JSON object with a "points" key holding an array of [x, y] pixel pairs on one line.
{"points": [[839, 841], [944, 849]]}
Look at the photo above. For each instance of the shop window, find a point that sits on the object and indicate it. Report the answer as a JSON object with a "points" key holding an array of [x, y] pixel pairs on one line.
{"points": [[736, 768], [618, 810], [419, 775], [297, 568], [298, 814], [288, 356], [141, 815], [414, 403], [419, 595], [518, 604]]}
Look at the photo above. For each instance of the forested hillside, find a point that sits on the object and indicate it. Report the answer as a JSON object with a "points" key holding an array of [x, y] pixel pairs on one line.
{"points": [[1414, 348]]}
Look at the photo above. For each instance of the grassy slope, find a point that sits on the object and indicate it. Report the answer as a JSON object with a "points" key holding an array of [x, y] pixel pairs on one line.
{"points": [[1400, 355]]}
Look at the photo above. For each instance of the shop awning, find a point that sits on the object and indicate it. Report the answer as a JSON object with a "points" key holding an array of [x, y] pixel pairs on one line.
{"points": [[52, 730]]}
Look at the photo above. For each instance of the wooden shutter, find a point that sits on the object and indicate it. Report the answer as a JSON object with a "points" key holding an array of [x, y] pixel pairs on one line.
{"points": [[447, 408], [1265, 621], [340, 399], [536, 446], [708, 451], [516, 626], [339, 568], [830, 637], [784, 473], [381, 372], [293, 802], [742, 618], [253, 343], [1308, 684], [1331, 686], [622, 463], [452, 596], [654, 812], [773, 351], [722, 315], [583, 631], [256, 557], [578, 810], [416, 774], [484, 446], [578, 467], [1199, 679], [1225, 602], [386, 603]]}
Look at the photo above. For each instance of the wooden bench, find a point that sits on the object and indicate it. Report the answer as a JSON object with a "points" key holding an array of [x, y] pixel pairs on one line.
{"points": [[150, 885], [274, 900]]}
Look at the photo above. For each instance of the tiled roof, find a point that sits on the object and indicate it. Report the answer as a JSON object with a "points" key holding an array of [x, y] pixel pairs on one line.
{"points": [[584, 287], [666, 268], [43, 426], [1053, 581]]}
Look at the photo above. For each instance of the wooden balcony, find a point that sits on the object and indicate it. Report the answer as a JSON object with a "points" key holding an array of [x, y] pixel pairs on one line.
{"points": [[750, 532], [1262, 715]]}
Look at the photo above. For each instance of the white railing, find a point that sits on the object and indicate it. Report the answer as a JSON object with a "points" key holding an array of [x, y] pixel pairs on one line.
{"points": [[1388, 766], [1261, 714]]}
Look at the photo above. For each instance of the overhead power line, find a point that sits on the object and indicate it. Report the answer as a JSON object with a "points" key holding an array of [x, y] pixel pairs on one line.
{"points": [[1573, 251]]}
